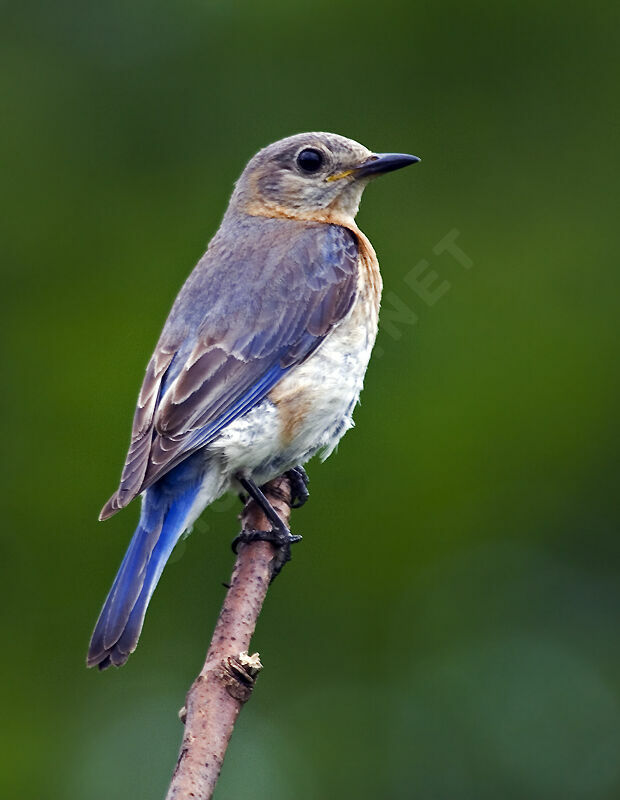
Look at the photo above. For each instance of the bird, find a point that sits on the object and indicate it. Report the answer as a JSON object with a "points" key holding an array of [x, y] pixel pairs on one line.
{"points": [[260, 363]]}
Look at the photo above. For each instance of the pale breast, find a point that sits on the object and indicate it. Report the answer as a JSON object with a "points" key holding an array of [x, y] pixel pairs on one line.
{"points": [[316, 400]]}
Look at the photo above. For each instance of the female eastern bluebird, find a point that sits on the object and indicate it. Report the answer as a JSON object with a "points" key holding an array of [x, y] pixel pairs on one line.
{"points": [[259, 364]]}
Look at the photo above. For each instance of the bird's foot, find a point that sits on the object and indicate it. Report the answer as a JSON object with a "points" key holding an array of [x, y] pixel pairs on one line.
{"points": [[280, 538], [299, 481], [279, 535]]}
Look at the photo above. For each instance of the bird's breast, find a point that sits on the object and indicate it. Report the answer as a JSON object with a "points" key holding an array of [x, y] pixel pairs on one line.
{"points": [[315, 400], [311, 407]]}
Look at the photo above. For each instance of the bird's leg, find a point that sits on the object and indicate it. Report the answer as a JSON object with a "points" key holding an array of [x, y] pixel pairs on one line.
{"points": [[299, 486], [279, 535], [257, 495]]}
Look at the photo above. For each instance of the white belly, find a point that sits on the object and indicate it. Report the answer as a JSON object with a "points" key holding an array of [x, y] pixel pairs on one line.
{"points": [[311, 407]]}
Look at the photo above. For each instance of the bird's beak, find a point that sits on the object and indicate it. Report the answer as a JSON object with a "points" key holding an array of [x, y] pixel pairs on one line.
{"points": [[384, 162], [377, 164]]}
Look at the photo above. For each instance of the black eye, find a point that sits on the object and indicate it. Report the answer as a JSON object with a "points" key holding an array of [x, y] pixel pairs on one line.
{"points": [[310, 160]]}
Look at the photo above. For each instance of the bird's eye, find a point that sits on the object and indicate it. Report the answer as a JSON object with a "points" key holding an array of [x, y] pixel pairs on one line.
{"points": [[310, 160]]}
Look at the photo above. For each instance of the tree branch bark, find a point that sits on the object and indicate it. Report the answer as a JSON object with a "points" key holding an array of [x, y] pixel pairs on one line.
{"points": [[227, 678]]}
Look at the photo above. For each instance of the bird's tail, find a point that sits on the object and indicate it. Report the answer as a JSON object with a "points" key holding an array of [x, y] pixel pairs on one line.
{"points": [[161, 524]]}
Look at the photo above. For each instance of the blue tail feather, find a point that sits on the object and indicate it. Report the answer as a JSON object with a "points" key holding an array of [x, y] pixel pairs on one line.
{"points": [[162, 522]]}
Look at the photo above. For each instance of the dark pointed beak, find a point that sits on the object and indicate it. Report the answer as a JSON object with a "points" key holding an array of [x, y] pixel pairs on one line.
{"points": [[384, 162]]}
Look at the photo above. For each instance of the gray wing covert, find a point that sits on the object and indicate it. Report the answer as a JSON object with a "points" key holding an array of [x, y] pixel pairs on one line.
{"points": [[245, 316]]}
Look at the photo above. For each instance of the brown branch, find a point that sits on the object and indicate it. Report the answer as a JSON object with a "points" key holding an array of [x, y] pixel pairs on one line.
{"points": [[227, 678]]}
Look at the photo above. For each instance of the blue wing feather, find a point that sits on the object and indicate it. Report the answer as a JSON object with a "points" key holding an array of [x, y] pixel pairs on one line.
{"points": [[204, 435]]}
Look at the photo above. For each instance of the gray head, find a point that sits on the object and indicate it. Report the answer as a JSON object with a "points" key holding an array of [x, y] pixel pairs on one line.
{"points": [[318, 176]]}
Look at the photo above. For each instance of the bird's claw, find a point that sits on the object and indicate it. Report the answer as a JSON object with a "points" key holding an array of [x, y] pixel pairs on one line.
{"points": [[299, 481], [280, 539]]}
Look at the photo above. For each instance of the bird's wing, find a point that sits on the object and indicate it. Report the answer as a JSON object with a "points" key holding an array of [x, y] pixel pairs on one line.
{"points": [[246, 315]]}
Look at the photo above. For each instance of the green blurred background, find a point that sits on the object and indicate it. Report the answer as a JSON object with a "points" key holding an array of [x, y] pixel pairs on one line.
{"points": [[449, 626]]}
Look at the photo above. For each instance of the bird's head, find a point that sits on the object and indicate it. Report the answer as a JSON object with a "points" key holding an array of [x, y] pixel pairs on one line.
{"points": [[314, 176]]}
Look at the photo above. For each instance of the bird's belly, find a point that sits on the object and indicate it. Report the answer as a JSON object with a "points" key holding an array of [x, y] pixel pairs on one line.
{"points": [[310, 408]]}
